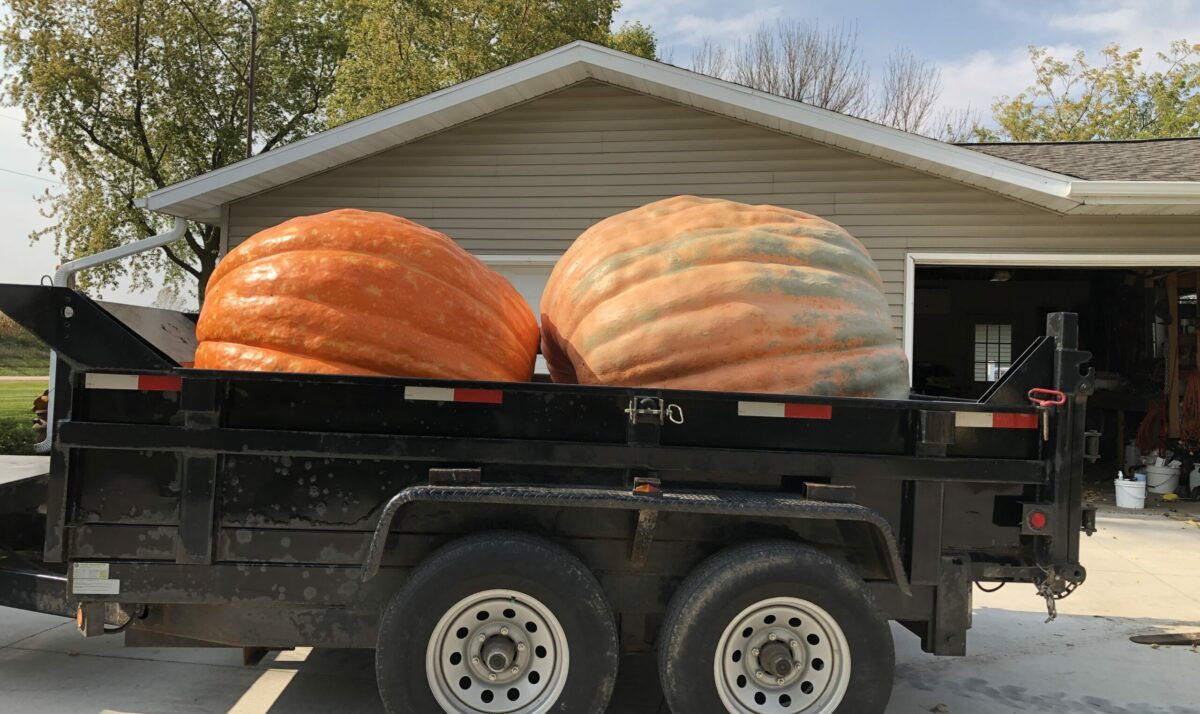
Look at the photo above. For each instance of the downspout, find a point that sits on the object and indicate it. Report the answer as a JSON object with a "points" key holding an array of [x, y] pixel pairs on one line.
{"points": [[64, 277]]}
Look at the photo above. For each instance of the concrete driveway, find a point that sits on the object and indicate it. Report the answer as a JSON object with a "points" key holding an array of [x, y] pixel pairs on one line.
{"points": [[1144, 577]]}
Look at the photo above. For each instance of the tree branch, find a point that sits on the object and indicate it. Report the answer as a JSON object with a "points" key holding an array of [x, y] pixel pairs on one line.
{"points": [[138, 120], [241, 76], [288, 126], [187, 268]]}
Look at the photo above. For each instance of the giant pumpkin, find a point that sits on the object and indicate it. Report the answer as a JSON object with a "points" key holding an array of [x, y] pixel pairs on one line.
{"points": [[361, 292], [702, 293]]}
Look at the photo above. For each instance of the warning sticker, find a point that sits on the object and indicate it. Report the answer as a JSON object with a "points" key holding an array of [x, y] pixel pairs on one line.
{"points": [[90, 571], [92, 579], [96, 586]]}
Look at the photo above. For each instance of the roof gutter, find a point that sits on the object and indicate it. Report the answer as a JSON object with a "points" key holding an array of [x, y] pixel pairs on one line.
{"points": [[1135, 191]]}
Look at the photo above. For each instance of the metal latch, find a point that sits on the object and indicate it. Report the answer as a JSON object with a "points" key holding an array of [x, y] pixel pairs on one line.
{"points": [[653, 409], [1091, 446]]}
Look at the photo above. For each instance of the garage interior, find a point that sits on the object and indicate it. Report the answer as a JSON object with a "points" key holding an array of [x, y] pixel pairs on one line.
{"points": [[1140, 324]]}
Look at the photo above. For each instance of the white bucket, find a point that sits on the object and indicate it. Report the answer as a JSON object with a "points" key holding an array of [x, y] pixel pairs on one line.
{"points": [[1162, 479], [1130, 494]]}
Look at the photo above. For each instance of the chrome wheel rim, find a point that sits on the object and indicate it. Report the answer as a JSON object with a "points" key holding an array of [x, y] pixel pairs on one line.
{"points": [[497, 652], [782, 655]]}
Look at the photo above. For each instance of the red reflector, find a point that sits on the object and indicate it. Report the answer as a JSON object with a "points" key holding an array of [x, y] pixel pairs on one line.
{"points": [[1037, 520], [479, 396], [155, 383], [1014, 421], [808, 411]]}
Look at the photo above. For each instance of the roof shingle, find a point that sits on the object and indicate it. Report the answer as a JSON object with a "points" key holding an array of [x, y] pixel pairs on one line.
{"points": [[1143, 160]]}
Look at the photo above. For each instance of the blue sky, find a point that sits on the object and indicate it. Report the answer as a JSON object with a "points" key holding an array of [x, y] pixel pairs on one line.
{"points": [[978, 45]]}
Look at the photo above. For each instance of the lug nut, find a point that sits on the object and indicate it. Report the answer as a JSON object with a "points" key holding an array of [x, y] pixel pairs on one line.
{"points": [[520, 646], [772, 637], [474, 660], [758, 674], [492, 677], [515, 670], [754, 652], [482, 637], [793, 644], [779, 681], [504, 631]]}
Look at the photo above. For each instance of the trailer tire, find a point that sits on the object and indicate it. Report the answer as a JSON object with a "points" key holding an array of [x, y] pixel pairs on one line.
{"points": [[498, 622], [774, 626]]}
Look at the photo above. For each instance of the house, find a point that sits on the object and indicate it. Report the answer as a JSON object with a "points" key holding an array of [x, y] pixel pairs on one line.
{"points": [[975, 243]]}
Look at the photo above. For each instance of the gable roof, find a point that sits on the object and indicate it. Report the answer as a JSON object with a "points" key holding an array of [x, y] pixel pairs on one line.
{"points": [[201, 198], [1137, 160]]}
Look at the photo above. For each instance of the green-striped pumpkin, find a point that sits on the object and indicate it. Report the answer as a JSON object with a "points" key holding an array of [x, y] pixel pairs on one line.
{"points": [[703, 293]]}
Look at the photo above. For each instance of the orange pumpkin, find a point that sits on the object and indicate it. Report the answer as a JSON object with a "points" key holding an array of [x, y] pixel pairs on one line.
{"points": [[360, 292], [703, 293]]}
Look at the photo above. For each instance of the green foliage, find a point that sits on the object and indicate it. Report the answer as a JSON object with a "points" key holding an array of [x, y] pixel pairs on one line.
{"points": [[20, 352], [636, 39], [403, 49], [1075, 101], [127, 96], [16, 415]]}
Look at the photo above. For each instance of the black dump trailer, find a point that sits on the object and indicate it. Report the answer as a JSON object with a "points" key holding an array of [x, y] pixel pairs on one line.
{"points": [[500, 544]]}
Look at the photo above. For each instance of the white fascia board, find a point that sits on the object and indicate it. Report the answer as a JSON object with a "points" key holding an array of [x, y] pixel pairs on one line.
{"points": [[1138, 194], [1165, 198]]}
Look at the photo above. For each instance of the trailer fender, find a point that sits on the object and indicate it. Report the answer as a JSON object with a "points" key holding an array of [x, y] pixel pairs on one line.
{"points": [[727, 503]]}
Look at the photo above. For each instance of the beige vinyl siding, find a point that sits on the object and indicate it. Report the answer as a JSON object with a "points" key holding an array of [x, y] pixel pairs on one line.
{"points": [[531, 178]]}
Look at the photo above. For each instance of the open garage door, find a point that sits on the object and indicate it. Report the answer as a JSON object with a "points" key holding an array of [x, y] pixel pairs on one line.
{"points": [[970, 321]]}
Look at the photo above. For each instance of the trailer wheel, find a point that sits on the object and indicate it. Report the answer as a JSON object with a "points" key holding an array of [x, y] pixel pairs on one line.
{"points": [[774, 628], [498, 623]]}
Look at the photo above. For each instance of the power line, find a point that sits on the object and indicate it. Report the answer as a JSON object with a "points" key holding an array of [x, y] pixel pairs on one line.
{"points": [[32, 176]]}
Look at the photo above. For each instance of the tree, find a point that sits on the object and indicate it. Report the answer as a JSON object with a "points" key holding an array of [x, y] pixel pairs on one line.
{"points": [[403, 49], [823, 66], [128, 96], [909, 93], [1073, 100]]}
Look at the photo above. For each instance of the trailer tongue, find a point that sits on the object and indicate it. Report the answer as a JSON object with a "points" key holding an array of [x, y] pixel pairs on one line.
{"points": [[772, 533]]}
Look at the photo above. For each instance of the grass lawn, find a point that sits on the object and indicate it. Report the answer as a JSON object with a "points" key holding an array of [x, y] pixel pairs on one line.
{"points": [[20, 352], [16, 415]]}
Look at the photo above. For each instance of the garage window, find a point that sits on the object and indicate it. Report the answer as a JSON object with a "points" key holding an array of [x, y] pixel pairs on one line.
{"points": [[993, 351]]}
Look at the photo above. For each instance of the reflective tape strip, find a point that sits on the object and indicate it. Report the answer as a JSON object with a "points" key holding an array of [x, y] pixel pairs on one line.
{"points": [[448, 394], [785, 411], [479, 396], [133, 382], [995, 420]]}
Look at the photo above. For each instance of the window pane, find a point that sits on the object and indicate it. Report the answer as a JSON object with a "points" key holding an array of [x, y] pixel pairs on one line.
{"points": [[993, 351]]}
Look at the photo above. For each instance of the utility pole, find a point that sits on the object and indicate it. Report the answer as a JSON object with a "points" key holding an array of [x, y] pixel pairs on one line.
{"points": [[250, 77]]}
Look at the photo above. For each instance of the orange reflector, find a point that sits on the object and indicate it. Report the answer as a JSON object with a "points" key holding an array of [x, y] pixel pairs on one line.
{"points": [[79, 617], [647, 488], [1037, 520]]}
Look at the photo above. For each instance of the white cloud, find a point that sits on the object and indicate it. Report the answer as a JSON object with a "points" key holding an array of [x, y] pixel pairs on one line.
{"points": [[682, 24], [1149, 24], [978, 80]]}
